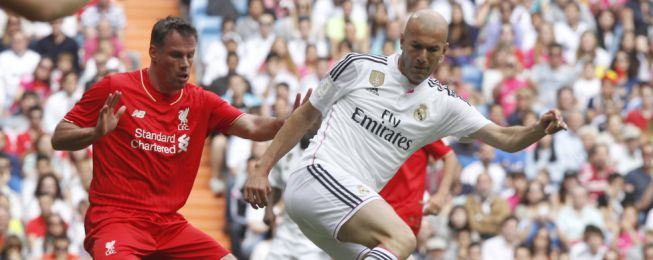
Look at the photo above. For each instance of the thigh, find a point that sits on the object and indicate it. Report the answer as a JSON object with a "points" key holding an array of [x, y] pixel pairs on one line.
{"points": [[183, 241], [120, 241], [375, 220]]}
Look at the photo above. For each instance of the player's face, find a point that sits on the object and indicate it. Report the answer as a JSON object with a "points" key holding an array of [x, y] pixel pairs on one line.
{"points": [[423, 50], [175, 58]]}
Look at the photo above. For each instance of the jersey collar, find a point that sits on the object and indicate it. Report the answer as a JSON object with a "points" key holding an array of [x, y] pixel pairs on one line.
{"points": [[154, 94]]}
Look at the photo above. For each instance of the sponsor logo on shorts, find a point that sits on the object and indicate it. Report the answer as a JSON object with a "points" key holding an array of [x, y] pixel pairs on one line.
{"points": [[111, 250]]}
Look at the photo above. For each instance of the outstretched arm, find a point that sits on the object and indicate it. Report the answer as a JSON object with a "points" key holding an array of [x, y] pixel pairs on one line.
{"points": [[257, 186], [37, 10], [70, 137], [515, 138], [259, 128], [256, 128]]}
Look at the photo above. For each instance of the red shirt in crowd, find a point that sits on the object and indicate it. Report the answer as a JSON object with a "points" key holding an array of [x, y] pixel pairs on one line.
{"points": [[404, 192]]}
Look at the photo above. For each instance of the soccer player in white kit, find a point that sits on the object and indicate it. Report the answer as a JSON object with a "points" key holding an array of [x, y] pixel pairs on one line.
{"points": [[376, 111]]}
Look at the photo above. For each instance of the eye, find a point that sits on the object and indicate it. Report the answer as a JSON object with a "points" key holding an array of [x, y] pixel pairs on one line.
{"points": [[433, 49]]}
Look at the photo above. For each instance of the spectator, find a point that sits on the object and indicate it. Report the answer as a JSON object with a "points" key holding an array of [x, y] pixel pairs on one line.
{"points": [[248, 26], [639, 180], [487, 210], [587, 86], [104, 33], [12, 196], [16, 63], [583, 214], [56, 43], [25, 140], [486, 164], [40, 80], [60, 249], [592, 246], [104, 9], [60, 102], [259, 45], [625, 153], [594, 174], [551, 76], [503, 245]]}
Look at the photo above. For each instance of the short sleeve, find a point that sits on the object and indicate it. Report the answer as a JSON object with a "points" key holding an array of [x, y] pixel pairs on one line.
{"points": [[462, 119], [222, 114], [437, 149], [339, 82], [85, 113]]}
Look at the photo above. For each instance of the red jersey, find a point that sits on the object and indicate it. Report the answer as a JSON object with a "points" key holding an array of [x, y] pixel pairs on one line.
{"points": [[404, 192], [149, 162]]}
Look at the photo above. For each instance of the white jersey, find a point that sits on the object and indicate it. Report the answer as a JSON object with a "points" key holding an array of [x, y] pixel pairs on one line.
{"points": [[373, 118]]}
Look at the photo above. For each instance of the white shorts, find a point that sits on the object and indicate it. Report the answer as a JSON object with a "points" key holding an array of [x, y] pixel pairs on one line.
{"points": [[321, 199]]}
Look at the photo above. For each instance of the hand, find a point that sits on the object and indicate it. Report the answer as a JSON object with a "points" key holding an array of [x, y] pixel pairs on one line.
{"points": [[108, 120], [257, 189], [435, 204], [298, 97], [552, 122]]}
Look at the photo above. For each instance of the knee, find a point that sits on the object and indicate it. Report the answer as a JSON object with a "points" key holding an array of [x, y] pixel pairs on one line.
{"points": [[406, 239], [402, 241]]}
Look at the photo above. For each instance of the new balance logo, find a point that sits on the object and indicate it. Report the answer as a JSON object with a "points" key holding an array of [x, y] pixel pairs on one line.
{"points": [[111, 249], [138, 113]]}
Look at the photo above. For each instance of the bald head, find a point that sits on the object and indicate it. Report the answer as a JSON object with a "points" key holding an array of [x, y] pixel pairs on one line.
{"points": [[424, 45], [427, 22]]}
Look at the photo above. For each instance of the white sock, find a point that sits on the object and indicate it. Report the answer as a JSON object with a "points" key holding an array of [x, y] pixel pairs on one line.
{"points": [[379, 253]]}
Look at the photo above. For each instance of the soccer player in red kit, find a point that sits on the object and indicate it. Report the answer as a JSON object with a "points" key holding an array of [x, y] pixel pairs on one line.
{"points": [[147, 144], [405, 190]]}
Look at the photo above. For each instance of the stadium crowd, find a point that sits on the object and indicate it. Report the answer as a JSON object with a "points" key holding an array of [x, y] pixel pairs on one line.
{"points": [[584, 193]]}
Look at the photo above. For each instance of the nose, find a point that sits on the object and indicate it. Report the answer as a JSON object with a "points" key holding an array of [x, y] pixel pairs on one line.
{"points": [[420, 59], [185, 63]]}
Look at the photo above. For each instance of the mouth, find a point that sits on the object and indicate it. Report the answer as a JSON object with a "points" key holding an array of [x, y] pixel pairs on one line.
{"points": [[183, 76]]}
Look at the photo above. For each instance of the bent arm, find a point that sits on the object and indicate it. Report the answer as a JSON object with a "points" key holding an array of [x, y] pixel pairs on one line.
{"points": [[70, 137], [36, 10], [451, 169], [295, 127], [256, 128], [510, 139]]}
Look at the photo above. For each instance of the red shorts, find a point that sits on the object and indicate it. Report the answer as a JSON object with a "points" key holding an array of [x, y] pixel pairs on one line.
{"points": [[113, 233]]}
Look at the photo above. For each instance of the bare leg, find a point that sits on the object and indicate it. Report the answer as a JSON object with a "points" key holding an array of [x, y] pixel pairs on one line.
{"points": [[377, 226]]}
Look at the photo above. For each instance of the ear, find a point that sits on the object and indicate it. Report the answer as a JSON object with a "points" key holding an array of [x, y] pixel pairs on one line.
{"points": [[153, 53], [445, 48], [401, 42]]}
